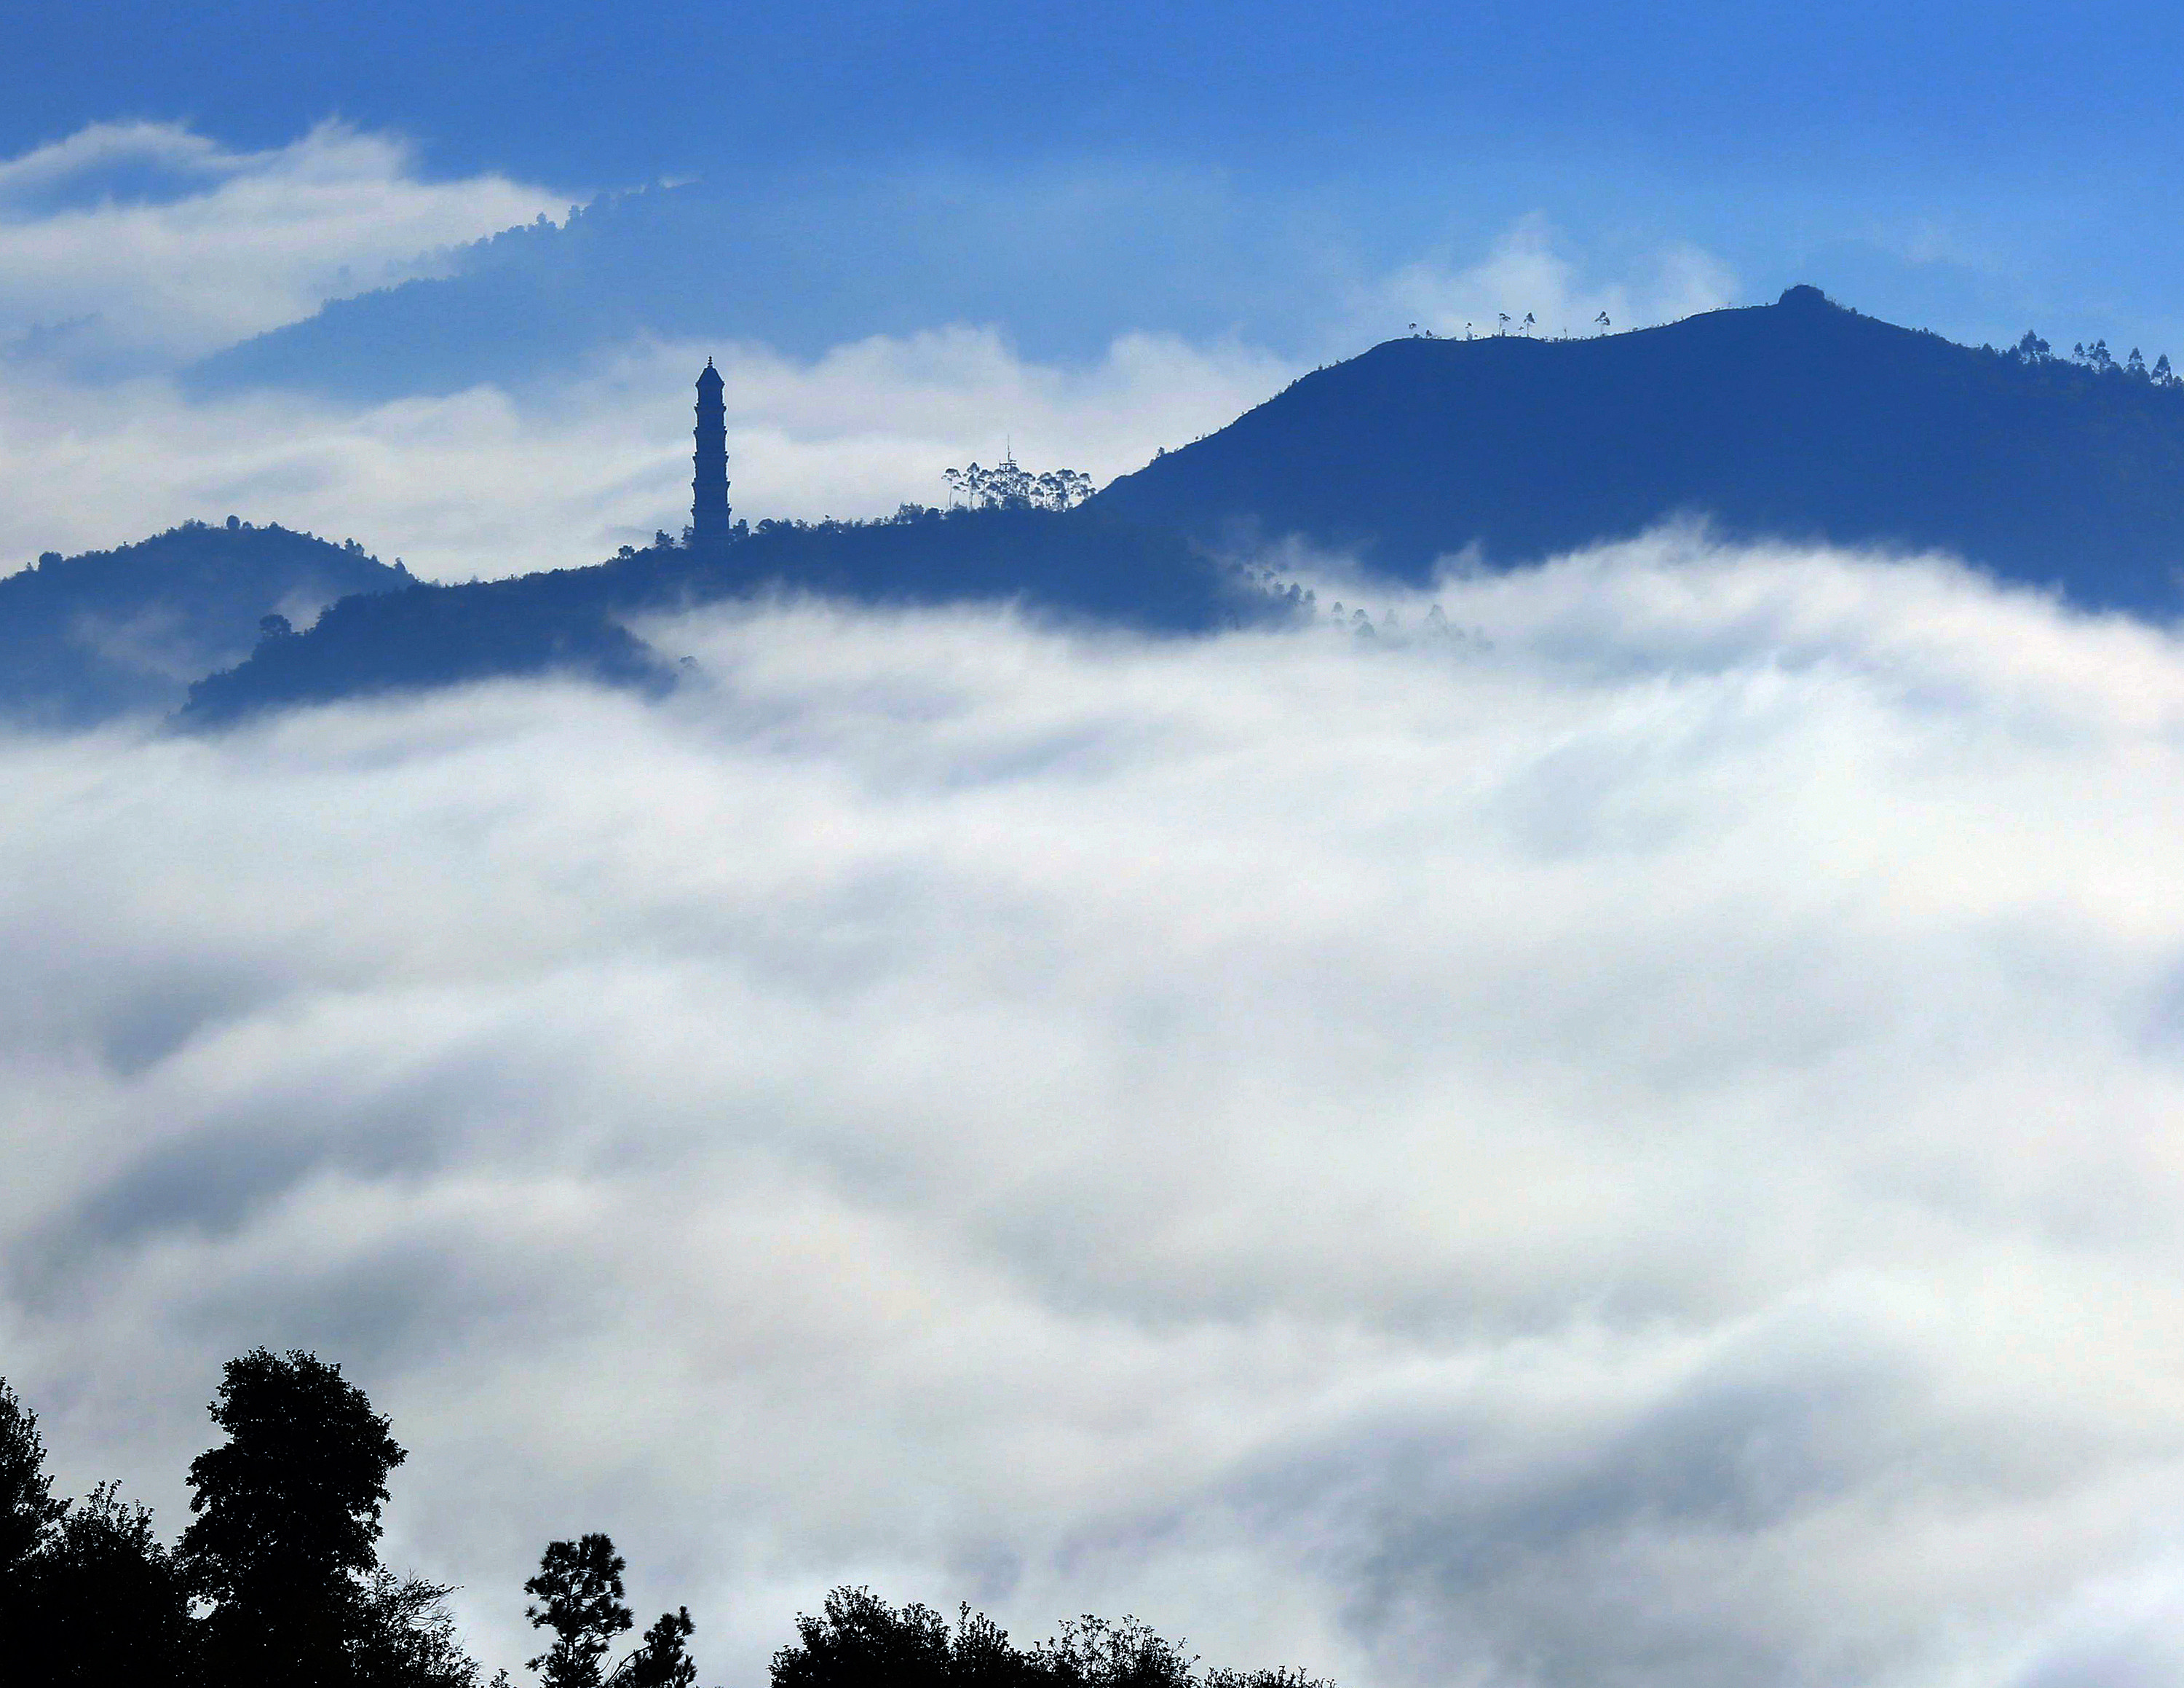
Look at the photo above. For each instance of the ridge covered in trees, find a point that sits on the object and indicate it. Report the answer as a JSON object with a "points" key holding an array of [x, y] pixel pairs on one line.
{"points": [[1798, 420], [84, 639], [1073, 564], [276, 1582]]}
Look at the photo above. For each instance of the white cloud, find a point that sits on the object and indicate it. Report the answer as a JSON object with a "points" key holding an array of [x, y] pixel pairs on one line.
{"points": [[487, 482], [147, 244], [213, 244], [1526, 272], [1642, 1150], [128, 248]]}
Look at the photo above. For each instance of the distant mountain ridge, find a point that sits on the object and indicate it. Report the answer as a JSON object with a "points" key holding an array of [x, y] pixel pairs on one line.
{"points": [[1799, 419], [87, 638], [541, 303], [1087, 568]]}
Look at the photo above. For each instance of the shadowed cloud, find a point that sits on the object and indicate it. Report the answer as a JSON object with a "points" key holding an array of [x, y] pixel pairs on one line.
{"points": [[1632, 1149]]}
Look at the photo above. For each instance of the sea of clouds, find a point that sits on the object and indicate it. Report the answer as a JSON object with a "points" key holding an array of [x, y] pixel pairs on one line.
{"points": [[1631, 1140], [1622, 1137]]}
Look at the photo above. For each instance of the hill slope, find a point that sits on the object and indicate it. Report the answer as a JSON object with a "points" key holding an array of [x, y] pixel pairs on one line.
{"points": [[86, 638], [1080, 565], [1798, 420]]}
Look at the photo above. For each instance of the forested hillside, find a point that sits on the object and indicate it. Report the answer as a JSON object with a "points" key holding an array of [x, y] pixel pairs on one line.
{"points": [[1071, 565], [83, 639], [1799, 419]]}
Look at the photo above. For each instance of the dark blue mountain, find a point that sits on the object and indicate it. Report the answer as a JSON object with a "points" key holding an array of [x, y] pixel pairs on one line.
{"points": [[1798, 420], [1078, 567], [537, 303], [86, 638]]}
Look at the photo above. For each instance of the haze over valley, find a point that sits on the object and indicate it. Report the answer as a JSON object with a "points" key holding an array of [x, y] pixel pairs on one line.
{"points": [[1410, 917]]}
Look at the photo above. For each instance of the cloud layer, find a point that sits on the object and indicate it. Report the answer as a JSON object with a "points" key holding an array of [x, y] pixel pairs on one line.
{"points": [[1630, 1143], [127, 250], [488, 482], [131, 245], [1528, 271]]}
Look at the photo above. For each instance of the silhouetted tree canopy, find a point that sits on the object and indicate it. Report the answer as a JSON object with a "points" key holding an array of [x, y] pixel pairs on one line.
{"points": [[27, 1507], [283, 1550], [277, 1583], [579, 1593], [664, 1661], [404, 1637], [104, 1601], [291, 1502], [1007, 486], [88, 1594], [859, 1641]]}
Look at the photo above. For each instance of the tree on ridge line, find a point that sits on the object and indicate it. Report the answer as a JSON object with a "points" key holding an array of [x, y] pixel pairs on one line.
{"points": [[860, 1641], [288, 1509], [283, 1543]]}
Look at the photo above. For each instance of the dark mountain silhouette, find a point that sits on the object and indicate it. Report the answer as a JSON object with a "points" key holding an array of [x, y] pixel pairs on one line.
{"points": [[542, 301], [1073, 566], [529, 299], [86, 638], [1797, 420]]}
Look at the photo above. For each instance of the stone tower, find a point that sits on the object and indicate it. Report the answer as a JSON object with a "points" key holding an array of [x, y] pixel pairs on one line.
{"points": [[709, 485]]}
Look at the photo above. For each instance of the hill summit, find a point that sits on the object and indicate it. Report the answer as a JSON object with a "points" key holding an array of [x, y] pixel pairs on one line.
{"points": [[1798, 420], [83, 639]]}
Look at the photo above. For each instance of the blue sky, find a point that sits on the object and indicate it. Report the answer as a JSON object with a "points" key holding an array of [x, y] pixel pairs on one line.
{"points": [[1222, 168], [571, 90], [920, 231]]}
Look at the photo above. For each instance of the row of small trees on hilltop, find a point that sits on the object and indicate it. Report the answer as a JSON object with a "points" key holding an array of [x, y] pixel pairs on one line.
{"points": [[2097, 357], [1008, 486], [860, 1641], [1505, 324], [277, 1583]]}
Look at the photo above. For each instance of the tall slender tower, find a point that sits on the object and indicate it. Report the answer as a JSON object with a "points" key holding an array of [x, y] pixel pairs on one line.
{"points": [[709, 485]]}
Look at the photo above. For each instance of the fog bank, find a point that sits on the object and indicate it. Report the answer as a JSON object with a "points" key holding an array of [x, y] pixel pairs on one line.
{"points": [[1633, 1145]]}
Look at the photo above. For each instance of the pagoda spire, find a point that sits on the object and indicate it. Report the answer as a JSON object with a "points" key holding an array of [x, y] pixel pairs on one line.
{"points": [[708, 483]]}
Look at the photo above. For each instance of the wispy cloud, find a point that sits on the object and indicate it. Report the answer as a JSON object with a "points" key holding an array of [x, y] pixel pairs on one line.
{"points": [[485, 481], [128, 249], [1529, 270], [1638, 1148], [145, 244]]}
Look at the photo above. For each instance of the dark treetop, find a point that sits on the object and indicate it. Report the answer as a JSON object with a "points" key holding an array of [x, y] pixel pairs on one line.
{"points": [[277, 1581]]}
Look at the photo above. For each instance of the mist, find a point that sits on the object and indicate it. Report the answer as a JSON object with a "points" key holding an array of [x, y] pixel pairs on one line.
{"points": [[488, 483], [137, 256], [1622, 1134], [131, 251]]}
